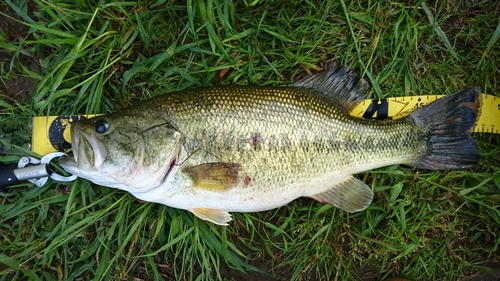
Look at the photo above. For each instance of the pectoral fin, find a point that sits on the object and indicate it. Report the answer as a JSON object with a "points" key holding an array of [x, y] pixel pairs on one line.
{"points": [[351, 195], [218, 176], [216, 216]]}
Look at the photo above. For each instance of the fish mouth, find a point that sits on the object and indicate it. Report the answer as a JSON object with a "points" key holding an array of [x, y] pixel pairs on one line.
{"points": [[88, 151], [70, 164], [96, 154]]}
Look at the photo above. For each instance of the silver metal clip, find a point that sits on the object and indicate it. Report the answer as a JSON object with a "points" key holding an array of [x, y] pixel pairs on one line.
{"points": [[29, 169], [55, 176], [38, 171]]}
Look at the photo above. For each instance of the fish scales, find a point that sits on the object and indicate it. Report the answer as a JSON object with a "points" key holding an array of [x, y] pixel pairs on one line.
{"points": [[245, 148], [304, 140], [286, 119]]}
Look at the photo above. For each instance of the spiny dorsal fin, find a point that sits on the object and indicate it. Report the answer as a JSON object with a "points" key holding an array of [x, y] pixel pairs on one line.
{"points": [[218, 176], [220, 217], [351, 195], [339, 83]]}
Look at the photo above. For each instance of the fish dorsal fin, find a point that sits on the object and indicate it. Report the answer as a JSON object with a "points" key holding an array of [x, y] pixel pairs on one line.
{"points": [[218, 176], [351, 195], [339, 83], [217, 216]]}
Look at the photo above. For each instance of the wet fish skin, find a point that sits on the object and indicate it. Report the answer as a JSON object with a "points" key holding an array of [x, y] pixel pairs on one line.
{"points": [[223, 149], [134, 155]]}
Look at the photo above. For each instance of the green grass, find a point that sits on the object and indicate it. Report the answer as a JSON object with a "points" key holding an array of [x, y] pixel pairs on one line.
{"points": [[98, 58]]}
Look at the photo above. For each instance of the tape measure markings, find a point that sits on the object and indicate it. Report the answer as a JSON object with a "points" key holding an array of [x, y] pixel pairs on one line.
{"points": [[399, 107]]}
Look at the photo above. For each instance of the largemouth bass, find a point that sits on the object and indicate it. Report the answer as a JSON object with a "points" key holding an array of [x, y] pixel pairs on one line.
{"points": [[224, 149]]}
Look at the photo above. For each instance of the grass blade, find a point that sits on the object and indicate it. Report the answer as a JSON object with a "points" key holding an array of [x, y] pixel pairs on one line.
{"points": [[438, 30]]}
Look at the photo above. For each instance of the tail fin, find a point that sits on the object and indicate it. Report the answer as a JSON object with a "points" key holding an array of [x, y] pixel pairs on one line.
{"points": [[447, 122]]}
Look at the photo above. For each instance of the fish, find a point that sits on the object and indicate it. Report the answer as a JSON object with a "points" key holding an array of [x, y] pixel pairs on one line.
{"points": [[240, 148]]}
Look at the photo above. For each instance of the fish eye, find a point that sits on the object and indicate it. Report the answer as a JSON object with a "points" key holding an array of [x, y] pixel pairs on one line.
{"points": [[101, 126]]}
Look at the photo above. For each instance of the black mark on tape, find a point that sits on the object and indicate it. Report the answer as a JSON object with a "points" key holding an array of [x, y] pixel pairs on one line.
{"points": [[379, 106], [57, 128]]}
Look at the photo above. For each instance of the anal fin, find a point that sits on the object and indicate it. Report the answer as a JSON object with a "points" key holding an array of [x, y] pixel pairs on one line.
{"points": [[351, 195], [217, 216]]}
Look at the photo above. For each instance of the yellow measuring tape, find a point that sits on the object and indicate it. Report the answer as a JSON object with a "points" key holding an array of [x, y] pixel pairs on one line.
{"points": [[399, 107], [51, 133]]}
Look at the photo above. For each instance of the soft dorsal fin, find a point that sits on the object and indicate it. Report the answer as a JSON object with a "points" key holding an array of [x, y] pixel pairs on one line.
{"points": [[339, 83], [351, 195]]}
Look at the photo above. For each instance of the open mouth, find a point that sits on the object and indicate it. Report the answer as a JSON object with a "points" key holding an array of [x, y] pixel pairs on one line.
{"points": [[75, 140], [71, 163], [97, 153], [88, 150]]}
